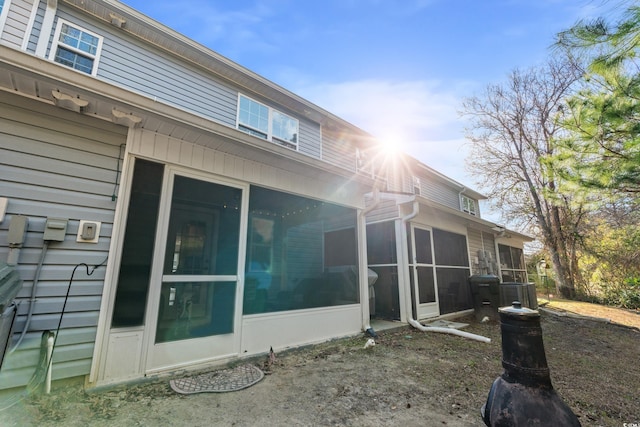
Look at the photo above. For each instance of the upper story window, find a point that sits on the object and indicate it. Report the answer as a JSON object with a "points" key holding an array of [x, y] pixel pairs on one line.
{"points": [[76, 48], [417, 187], [468, 205], [265, 122], [363, 165]]}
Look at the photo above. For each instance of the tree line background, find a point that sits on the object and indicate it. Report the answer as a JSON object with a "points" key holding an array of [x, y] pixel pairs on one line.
{"points": [[556, 147]]}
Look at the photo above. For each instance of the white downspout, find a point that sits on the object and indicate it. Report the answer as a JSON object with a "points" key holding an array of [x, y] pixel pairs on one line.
{"points": [[414, 322]]}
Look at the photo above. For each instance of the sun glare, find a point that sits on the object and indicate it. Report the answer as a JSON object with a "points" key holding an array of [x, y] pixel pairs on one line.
{"points": [[390, 146]]}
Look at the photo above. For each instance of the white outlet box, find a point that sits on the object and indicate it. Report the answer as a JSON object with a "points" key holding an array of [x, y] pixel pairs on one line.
{"points": [[88, 231]]}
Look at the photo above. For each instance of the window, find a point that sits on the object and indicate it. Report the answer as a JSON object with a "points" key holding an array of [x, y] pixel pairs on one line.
{"points": [[417, 188], [266, 123], [362, 163], [452, 271], [302, 253], [383, 260], [512, 264], [76, 48], [468, 205], [139, 241]]}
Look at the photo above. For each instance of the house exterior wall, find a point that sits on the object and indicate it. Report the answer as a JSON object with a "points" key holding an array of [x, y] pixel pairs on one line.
{"points": [[165, 78], [433, 189], [165, 148], [257, 332], [385, 210], [33, 30], [482, 249], [337, 149], [56, 164]]}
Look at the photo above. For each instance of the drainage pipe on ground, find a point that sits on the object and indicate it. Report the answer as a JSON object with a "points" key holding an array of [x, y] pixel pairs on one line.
{"points": [[452, 331]]}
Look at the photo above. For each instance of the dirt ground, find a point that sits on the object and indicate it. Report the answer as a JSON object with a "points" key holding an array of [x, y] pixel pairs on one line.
{"points": [[409, 378]]}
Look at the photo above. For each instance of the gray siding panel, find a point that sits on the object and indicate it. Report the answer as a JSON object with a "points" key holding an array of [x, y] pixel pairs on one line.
{"points": [[54, 163], [152, 73], [439, 192], [482, 252], [162, 77], [16, 23], [337, 149], [310, 143], [37, 27], [475, 245], [386, 210]]}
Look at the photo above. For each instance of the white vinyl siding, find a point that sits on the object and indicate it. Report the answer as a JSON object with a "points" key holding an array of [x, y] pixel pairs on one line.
{"points": [[55, 163], [14, 19], [337, 149], [432, 189], [163, 148]]}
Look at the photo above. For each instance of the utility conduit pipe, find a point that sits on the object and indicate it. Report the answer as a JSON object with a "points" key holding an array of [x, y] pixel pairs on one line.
{"points": [[452, 331], [50, 342], [32, 301]]}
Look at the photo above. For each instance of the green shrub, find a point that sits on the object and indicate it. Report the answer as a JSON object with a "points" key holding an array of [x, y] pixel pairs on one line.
{"points": [[625, 295]]}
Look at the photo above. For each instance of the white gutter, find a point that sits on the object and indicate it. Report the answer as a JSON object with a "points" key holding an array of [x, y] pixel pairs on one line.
{"points": [[414, 212]]}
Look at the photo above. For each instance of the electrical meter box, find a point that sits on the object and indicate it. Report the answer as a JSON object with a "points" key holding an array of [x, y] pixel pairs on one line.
{"points": [[17, 230], [55, 229]]}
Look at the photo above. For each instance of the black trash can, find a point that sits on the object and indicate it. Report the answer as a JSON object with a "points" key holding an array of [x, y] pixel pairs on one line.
{"points": [[10, 284], [485, 292]]}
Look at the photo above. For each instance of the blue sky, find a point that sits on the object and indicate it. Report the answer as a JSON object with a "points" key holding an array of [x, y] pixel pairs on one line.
{"points": [[398, 69]]}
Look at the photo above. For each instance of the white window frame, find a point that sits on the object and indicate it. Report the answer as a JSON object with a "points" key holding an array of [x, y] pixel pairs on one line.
{"points": [[505, 268], [269, 136], [468, 205], [363, 165], [5, 12], [416, 185], [56, 43]]}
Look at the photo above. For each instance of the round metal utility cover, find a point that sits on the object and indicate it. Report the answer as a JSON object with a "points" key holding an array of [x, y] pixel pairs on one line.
{"points": [[518, 310]]}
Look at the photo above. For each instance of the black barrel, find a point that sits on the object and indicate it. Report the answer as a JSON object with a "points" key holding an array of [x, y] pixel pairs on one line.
{"points": [[523, 394]]}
